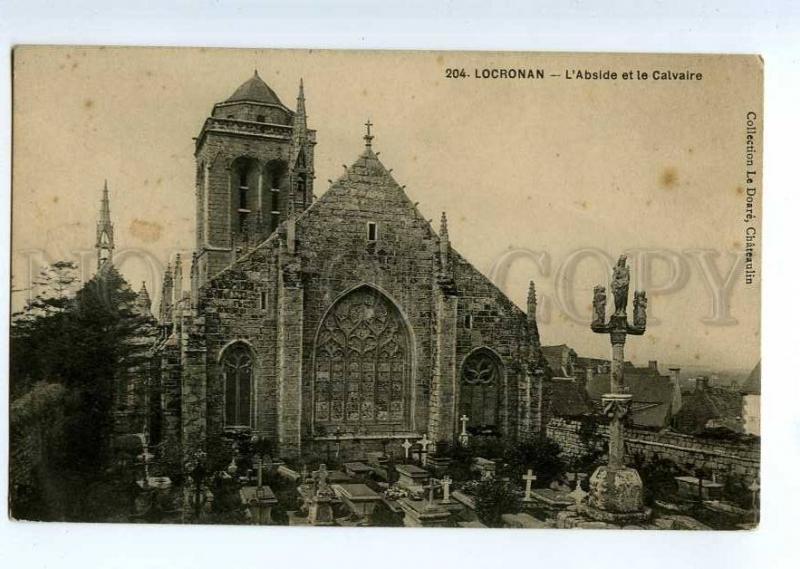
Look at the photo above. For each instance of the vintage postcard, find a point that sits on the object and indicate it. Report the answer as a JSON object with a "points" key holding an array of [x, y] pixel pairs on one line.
{"points": [[412, 289]]}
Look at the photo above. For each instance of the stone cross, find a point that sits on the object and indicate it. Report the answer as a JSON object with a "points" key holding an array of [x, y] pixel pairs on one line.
{"points": [[431, 487], [424, 443], [529, 479], [616, 404], [407, 446], [422, 455], [369, 136], [446, 482], [463, 438], [578, 494], [322, 476]]}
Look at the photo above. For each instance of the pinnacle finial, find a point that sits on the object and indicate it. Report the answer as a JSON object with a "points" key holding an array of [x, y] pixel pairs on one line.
{"points": [[443, 225], [255, 72], [531, 298], [369, 136]]}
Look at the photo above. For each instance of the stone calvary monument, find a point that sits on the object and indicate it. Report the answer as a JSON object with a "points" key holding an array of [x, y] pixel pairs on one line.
{"points": [[615, 490]]}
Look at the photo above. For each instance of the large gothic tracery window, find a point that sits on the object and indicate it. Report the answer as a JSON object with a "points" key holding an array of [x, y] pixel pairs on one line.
{"points": [[480, 389], [362, 365], [237, 370]]}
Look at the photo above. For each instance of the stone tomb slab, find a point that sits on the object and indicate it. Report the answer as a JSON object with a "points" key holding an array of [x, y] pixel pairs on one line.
{"points": [[357, 469], [359, 498], [421, 513], [689, 487], [552, 500], [412, 477]]}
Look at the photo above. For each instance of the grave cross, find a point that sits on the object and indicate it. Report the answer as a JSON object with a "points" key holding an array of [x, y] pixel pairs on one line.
{"points": [[422, 455], [406, 447], [446, 482], [463, 438], [431, 487], [529, 479], [424, 443]]}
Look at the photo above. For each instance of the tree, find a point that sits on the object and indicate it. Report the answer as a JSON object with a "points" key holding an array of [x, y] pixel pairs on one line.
{"points": [[86, 343]]}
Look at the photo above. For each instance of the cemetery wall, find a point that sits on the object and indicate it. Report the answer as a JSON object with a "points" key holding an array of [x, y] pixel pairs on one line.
{"points": [[722, 457]]}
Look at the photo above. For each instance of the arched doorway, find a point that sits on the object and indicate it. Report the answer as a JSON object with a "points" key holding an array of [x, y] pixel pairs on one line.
{"points": [[480, 390], [362, 361]]}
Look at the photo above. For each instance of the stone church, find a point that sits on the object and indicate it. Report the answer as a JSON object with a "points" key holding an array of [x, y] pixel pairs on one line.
{"points": [[346, 318]]}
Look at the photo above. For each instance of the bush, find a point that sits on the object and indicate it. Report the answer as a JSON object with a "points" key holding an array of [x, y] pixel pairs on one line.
{"points": [[658, 478], [543, 456], [493, 498]]}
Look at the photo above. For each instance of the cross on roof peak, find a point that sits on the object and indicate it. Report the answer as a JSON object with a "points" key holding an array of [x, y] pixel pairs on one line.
{"points": [[369, 136]]}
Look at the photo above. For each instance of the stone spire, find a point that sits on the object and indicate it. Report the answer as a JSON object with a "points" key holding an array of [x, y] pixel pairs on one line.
{"points": [[105, 231], [166, 295], [446, 280], [300, 162], [444, 244], [143, 302], [533, 326], [177, 280]]}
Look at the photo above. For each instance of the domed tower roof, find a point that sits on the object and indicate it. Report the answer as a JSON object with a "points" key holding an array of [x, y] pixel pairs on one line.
{"points": [[254, 89]]}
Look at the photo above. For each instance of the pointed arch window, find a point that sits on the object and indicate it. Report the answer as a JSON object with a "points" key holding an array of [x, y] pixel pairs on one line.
{"points": [[480, 390], [237, 373], [362, 361]]}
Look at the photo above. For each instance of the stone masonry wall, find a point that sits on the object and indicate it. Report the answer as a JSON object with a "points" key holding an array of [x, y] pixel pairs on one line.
{"points": [[742, 458]]}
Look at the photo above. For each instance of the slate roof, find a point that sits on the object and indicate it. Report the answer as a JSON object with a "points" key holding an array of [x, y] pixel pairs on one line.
{"points": [[752, 386], [710, 408], [254, 89], [569, 399], [652, 394]]}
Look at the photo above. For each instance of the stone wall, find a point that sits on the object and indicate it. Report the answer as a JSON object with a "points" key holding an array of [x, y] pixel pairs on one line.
{"points": [[722, 457]]}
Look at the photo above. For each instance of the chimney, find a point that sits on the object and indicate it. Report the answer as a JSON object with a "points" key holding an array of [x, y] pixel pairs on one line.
{"points": [[701, 383], [653, 364], [587, 379], [675, 379]]}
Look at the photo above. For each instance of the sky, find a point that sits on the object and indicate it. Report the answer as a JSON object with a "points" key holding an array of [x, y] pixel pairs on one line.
{"points": [[542, 179]]}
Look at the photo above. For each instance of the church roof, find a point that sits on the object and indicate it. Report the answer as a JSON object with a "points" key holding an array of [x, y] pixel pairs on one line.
{"points": [[254, 89]]}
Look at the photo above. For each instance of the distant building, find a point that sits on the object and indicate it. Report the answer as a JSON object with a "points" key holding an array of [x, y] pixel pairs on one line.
{"points": [[653, 394], [709, 408], [751, 402]]}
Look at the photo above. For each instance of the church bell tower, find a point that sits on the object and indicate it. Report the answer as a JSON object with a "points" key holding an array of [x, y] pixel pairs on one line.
{"points": [[255, 169]]}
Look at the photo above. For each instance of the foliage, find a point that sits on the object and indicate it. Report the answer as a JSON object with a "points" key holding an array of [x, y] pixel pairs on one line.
{"points": [[495, 497], [658, 478], [736, 490], [87, 344], [592, 442], [541, 455]]}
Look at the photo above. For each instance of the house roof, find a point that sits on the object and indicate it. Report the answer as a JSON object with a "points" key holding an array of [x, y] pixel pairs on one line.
{"points": [[709, 407], [569, 399], [752, 386], [254, 89], [652, 394]]}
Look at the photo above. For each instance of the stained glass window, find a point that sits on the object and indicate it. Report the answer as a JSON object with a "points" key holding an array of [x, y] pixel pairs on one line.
{"points": [[480, 381], [237, 369], [362, 364]]}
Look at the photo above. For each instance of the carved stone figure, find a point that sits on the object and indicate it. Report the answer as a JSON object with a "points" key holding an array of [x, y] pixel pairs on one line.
{"points": [[599, 305], [639, 308], [620, 283]]}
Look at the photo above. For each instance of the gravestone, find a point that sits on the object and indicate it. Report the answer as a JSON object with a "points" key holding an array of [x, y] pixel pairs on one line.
{"points": [[357, 470], [412, 477], [360, 499], [259, 501], [484, 467]]}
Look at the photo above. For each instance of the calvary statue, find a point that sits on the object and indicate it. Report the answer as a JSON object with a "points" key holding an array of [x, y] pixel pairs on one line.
{"points": [[620, 282]]}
